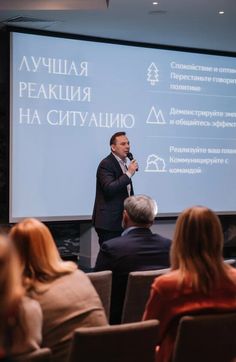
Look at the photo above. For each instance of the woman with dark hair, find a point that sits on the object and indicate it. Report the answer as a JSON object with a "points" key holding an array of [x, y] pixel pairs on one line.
{"points": [[199, 282], [20, 316], [66, 295]]}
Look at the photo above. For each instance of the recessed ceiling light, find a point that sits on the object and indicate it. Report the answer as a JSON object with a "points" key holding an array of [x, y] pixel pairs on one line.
{"points": [[154, 3], [221, 12]]}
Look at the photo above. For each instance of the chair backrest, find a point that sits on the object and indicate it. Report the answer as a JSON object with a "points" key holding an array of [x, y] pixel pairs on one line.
{"points": [[102, 282], [137, 293], [40, 355], [132, 342], [206, 338]]}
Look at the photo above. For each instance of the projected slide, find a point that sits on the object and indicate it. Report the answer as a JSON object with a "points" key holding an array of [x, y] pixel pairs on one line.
{"points": [[69, 96]]}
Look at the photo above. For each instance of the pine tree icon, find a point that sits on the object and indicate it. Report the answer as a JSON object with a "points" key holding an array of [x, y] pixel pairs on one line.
{"points": [[152, 74]]}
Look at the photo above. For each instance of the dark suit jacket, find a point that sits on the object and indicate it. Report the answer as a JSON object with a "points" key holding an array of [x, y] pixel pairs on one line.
{"points": [[111, 191], [140, 249]]}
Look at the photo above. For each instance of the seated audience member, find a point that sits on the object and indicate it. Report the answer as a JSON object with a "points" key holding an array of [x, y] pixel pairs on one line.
{"points": [[136, 249], [21, 317], [66, 295], [200, 281]]}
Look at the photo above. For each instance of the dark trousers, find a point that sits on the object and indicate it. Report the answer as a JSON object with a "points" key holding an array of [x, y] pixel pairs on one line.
{"points": [[104, 235]]}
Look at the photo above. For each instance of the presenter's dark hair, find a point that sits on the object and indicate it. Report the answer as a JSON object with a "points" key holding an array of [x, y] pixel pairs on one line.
{"points": [[113, 138]]}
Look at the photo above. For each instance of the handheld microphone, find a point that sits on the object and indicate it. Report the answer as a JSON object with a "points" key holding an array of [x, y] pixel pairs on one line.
{"points": [[130, 157]]}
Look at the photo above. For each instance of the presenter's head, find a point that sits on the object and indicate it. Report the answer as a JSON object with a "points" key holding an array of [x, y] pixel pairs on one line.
{"points": [[139, 210], [120, 145]]}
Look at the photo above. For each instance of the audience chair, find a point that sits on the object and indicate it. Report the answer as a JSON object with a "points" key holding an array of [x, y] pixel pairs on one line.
{"points": [[137, 293], [102, 282], [206, 338], [40, 355], [133, 342]]}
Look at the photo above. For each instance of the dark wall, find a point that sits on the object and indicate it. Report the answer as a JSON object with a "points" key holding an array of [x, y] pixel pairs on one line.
{"points": [[4, 127]]}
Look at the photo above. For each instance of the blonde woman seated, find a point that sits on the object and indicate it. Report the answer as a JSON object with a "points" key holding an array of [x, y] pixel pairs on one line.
{"points": [[66, 295], [21, 317], [199, 280]]}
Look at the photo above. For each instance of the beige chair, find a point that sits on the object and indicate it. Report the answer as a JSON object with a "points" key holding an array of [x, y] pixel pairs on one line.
{"points": [[206, 338], [40, 355], [137, 293], [102, 282], [133, 342]]}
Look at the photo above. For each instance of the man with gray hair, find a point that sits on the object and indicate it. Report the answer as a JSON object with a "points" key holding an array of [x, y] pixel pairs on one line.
{"points": [[136, 249], [140, 209]]}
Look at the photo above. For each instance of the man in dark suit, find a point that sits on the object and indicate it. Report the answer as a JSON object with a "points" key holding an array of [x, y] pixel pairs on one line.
{"points": [[113, 186], [136, 249]]}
